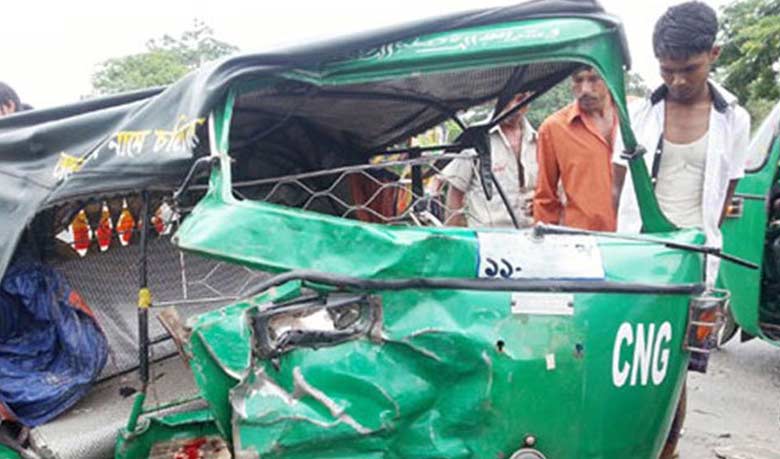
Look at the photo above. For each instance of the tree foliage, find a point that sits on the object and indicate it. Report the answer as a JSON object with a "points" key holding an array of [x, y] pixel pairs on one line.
{"points": [[166, 59], [749, 63]]}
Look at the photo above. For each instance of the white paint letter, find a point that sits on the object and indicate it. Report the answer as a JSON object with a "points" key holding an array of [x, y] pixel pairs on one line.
{"points": [[642, 353], [619, 375], [664, 337]]}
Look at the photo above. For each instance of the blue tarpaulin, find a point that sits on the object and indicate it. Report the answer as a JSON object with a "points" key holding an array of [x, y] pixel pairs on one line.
{"points": [[51, 348]]}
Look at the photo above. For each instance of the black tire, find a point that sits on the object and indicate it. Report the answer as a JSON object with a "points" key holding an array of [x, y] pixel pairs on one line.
{"points": [[670, 447]]}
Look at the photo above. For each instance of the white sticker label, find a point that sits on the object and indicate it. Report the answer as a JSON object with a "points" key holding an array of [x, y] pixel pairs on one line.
{"points": [[522, 256], [646, 355], [550, 304], [550, 359]]}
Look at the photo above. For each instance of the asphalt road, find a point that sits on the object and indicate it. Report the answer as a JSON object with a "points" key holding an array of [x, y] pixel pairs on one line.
{"points": [[734, 409]]}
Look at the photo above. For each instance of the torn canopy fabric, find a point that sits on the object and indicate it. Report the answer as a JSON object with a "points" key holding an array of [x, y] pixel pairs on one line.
{"points": [[148, 139], [51, 348]]}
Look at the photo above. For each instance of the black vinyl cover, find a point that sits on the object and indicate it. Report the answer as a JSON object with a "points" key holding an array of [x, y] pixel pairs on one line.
{"points": [[59, 154]]}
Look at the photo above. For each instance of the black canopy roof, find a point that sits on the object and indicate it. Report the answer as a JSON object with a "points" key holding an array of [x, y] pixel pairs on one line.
{"points": [[51, 155]]}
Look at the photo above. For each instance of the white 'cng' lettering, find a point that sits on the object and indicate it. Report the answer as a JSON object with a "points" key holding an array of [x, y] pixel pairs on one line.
{"points": [[649, 350]]}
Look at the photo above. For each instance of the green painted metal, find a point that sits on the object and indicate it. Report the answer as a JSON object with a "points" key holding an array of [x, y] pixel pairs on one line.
{"points": [[135, 412], [152, 430], [542, 40], [653, 220], [401, 392], [457, 374], [8, 453], [439, 386], [745, 237]]}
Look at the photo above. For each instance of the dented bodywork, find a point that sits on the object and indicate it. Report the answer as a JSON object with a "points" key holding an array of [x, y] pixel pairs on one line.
{"points": [[382, 341], [455, 374], [459, 371], [367, 340]]}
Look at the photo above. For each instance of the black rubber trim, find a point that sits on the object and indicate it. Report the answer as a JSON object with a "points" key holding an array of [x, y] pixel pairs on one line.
{"points": [[518, 285], [750, 197]]}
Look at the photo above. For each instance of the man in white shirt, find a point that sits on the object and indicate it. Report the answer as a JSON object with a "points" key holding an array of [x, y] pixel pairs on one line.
{"points": [[695, 131], [513, 158]]}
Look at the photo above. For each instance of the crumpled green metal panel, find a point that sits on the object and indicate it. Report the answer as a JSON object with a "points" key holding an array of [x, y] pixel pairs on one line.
{"points": [[7, 453], [440, 384], [458, 375]]}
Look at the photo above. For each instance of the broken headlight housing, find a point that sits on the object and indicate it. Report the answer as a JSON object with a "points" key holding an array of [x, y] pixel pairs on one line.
{"points": [[705, 317], [315, 322]]}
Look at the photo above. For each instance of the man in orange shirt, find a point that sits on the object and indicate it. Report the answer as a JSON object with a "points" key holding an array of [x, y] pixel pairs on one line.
{"points": [[575, 149]]}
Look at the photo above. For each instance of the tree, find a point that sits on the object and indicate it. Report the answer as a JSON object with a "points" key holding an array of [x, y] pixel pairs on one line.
{"points": [[635, 85], [749, 63], [165, 60]]}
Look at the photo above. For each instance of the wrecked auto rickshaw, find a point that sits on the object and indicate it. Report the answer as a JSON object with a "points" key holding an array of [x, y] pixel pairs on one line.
{"points": [[322, 309], [751, 231]]}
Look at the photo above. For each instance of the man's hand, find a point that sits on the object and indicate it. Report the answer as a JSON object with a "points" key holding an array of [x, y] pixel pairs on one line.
{"points": [[618, 178], [455, 215]]}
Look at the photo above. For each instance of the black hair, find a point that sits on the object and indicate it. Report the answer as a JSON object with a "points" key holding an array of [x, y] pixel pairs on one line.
{"points": [[685, 30], [7, 94], [584, 68]]}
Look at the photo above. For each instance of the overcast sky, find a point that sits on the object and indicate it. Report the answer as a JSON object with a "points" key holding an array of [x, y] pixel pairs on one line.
{"points": [[50, 50]]}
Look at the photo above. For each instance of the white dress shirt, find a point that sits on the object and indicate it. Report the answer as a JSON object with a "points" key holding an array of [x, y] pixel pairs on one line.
{"points": [[727, 148]]}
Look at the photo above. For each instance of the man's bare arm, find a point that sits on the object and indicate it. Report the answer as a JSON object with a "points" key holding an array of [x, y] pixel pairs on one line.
{"points": [[618, 179], [455, 198], [727, 203]]}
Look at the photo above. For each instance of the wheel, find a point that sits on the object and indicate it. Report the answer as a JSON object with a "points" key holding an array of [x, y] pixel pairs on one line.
{"points": [[729, 327], [670, 447]]}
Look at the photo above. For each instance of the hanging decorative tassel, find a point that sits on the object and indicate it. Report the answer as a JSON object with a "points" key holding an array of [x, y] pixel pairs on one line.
{"points": [[81, 232], [163, 219], [125, 225], [105, 229]]}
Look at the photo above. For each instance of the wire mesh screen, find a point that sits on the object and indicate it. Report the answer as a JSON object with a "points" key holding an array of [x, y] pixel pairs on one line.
{"points": [[382, 192], [397, 191], [108, 280]]}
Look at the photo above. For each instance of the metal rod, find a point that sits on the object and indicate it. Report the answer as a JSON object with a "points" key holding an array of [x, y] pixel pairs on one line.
{"points": [[541, 230], [159, 340], [177, 402], [514, 285], [144, 298], [417, 181], [505, 200], [363, 167]]}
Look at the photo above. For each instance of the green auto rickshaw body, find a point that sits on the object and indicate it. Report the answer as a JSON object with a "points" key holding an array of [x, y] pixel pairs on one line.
{"points": [[748, 232], [8, 453], [453, 366], [384, 341]]}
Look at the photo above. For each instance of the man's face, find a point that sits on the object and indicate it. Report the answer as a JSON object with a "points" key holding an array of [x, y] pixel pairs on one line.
{"points": [[589, 90], [686, 78], [517, 117], [7, 108]]}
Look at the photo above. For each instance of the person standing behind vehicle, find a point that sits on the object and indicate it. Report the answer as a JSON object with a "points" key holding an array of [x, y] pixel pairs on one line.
{"points": [[513, 157], [697, 129], [9, 100], [575, 149]]}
